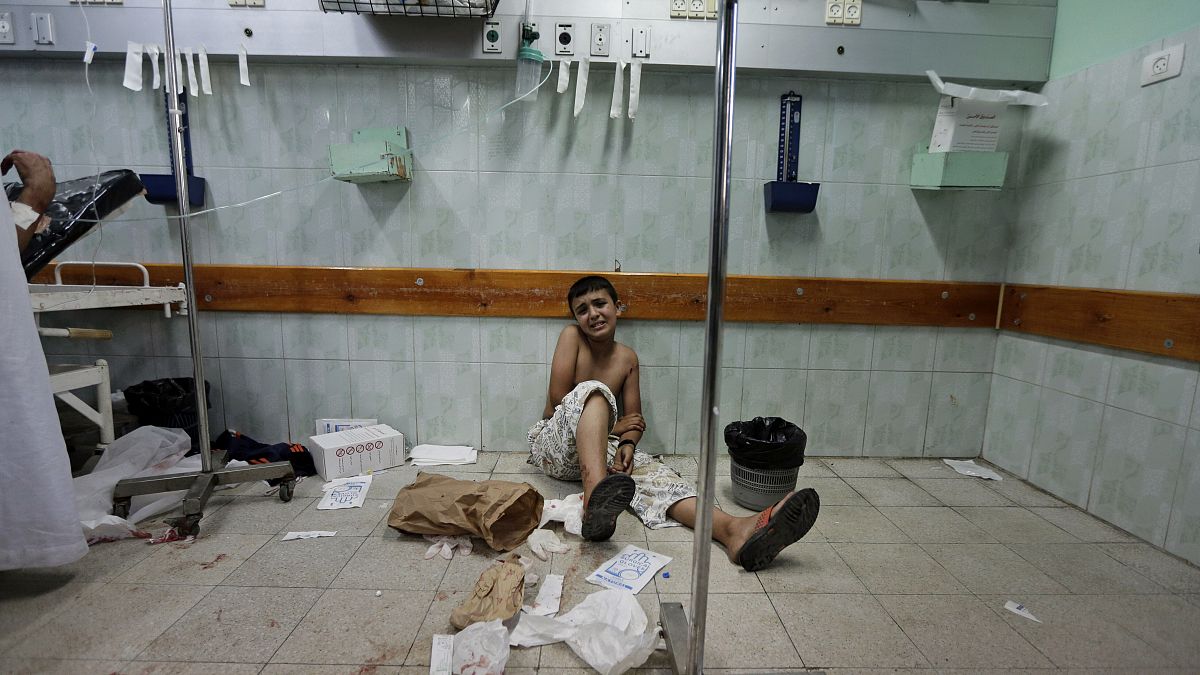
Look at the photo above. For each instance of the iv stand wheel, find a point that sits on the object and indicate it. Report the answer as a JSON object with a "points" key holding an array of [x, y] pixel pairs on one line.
{"points": [[121, 507], [286, 489], [187, 525]]}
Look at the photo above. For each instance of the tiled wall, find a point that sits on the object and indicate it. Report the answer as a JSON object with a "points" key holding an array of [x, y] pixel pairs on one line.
{"points": [[1109, 199], [535, 188]]}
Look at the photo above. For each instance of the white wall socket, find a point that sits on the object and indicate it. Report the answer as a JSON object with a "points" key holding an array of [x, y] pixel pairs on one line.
{"points": [[601, 39], [492, 36], [852, 12], [7, 34], [564, 39], [679, 9], [1162, 65], [696, 9], [834, 10]]}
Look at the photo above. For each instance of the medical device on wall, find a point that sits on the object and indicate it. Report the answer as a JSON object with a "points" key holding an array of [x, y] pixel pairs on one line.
{"points": [[445, 8], [785, 193]]}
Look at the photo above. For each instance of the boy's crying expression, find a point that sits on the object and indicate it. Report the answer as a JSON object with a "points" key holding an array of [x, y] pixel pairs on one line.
{"points": [[596, 314]]}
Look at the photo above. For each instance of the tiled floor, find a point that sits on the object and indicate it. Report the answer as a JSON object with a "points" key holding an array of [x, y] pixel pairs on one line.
{"points": [[909, 567]]}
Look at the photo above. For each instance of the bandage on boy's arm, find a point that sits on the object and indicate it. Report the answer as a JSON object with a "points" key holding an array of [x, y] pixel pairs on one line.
{"points": [[562, 369]]}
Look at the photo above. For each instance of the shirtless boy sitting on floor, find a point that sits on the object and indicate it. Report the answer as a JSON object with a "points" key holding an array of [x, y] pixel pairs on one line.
{"points": [[581, 437]]}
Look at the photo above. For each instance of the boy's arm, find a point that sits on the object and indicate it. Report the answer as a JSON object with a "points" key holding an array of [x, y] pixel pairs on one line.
{"points": [[562, 369], [631, 400]]}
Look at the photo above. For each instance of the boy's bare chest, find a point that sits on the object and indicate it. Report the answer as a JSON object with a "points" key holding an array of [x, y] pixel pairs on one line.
{"points": [[611, 370]]}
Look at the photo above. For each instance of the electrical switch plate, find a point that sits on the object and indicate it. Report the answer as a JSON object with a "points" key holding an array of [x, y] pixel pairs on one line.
{"points": [[601, 39], [852, 12], [564, 39], [641, 42], [7, 35], [833, 12], [491, 36], [256, 3], [237, 3], [43, 28], [1162, 65], [679, 9], [710, 11], [696, 9]]}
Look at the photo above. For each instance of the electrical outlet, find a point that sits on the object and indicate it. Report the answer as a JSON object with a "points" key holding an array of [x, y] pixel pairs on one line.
{"points": [[679, 9], [696, 9], [852, 12], [710, 9], [256, 3], [1162, 65], [601, 39], [491, 36], [7, 34], [833, 12], [237, 3], [640, 46], [564, 39]]}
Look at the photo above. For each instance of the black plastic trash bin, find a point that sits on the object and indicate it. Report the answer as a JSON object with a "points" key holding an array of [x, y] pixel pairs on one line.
{"points": [[765, 455], [169, 402]]}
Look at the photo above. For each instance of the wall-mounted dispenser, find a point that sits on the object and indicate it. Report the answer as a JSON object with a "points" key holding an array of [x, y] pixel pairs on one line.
{"points": [[785, 193], [375, 155]]}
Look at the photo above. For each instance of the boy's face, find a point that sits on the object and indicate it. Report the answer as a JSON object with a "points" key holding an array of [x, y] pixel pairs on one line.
{"points": [[596, 314]]}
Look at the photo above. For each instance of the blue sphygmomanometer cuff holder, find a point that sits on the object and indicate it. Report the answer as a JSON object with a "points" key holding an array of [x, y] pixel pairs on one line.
{"points": [[785, 194], [790, 197]]}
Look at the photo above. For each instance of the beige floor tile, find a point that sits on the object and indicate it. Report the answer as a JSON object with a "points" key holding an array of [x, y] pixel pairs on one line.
{"points": [[1083, 526], [898, 569], [743, 631], [815, 468], [807, 567], [1160, 566], [856, 467], [684, 465], [144, 613], [861, 524], [1074, 633], [392, 563], [959, 631], [301, 563], [515, 462], [437, 622], [103, 562], [891, 492], [365, 669], [723, 576], [1169, 624], [356, 522], [924, 468], [664, 534], [549, 488], [207, 561], [939, 524], [355, 626], [833, 491], [833, 631], [629, 529], [387, 484], [236, 625], [726, 501], [960, 492], [26, 605], [1015, 525], [992, 568], [1022, 494], [186, 668], [58, 667], [1085, 569], [255, 515]]}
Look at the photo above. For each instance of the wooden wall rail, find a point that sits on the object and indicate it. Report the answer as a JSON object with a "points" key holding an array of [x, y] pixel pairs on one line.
{"points": [[1156, 323], [533, 293]]}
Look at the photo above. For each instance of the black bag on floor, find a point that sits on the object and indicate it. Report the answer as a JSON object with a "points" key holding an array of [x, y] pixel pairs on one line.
{"points": [[169, 402], [766, 443]]}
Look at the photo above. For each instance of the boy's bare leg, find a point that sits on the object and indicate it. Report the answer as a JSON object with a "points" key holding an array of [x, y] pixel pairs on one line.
{"points": [[729, 530], [591, 442]]}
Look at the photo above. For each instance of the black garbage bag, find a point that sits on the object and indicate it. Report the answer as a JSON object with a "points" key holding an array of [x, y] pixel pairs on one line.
{"points": [[169, 402], [73, 212], [766, 443]]}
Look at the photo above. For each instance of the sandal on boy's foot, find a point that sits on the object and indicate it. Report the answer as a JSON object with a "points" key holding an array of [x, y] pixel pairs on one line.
{"points": [[779, 527], [609, 498]]}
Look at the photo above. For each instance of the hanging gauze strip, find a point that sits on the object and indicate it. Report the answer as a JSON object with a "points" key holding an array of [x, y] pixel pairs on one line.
{"points": [[635, 87], [243, 68], [133, 66], [205, 79], [153, 50], [178, 73], [581, 79], [618, 97], [193, 86], [564, 75]]}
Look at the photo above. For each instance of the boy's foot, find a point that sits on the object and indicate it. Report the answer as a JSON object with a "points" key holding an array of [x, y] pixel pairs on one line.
{"points": [[609, 498], [777, 528]]}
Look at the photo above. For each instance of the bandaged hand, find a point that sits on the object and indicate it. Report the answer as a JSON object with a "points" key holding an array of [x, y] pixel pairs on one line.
{"points": [[445, 546], [543, 542]]}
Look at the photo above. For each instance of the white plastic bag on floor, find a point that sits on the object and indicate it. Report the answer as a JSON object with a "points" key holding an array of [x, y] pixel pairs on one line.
{"points": [[481, 649], [146, 451], [607, 630], [568, 511]]}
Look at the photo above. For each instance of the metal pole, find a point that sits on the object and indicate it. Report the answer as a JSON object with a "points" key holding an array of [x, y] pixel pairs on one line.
{"points": [[179, 164], [709, 395]]}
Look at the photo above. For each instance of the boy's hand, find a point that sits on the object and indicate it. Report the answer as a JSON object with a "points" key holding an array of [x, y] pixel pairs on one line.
{"points": [[630, 422], [623, 459]]}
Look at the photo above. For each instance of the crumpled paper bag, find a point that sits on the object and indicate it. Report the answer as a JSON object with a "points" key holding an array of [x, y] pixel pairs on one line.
{"points": [[499, 512], [499, 594]]}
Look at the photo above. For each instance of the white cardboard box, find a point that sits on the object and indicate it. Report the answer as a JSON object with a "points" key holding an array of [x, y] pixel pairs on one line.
{"points": [[357, 451], [330, 425]]}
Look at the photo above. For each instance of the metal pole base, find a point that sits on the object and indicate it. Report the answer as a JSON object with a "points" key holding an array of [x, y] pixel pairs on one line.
{"points": [[674, 621], [200, 486]]}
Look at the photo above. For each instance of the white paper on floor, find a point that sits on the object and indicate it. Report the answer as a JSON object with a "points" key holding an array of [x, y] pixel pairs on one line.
{"points": [[968, 467], [607, 630], [568, 511], [443, 455], [1019, 609], [481, 649], [548, 598], [310, 534], [629, 570], [345, 493], [441, 655]]}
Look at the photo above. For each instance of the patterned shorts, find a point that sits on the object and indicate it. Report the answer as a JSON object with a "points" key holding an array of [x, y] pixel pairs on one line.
{"points": [[552, 449]]}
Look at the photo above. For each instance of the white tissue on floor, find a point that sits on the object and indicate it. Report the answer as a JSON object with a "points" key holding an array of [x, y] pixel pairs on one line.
{"points": [[568, 511], [435, 455], [607, 630]]}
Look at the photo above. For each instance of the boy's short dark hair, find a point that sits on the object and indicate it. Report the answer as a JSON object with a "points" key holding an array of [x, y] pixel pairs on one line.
{"points": [[593, 282]]}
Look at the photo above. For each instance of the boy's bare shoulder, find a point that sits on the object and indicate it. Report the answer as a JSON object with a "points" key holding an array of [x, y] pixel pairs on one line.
{"points": [[626, 354]]}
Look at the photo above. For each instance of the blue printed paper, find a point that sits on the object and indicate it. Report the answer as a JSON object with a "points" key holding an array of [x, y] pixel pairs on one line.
{"points": [[629, 570]]}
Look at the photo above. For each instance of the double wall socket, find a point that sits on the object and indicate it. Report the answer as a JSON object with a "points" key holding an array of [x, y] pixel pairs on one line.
{"points": [[1162, 65], [7, 35], [601, 39]]}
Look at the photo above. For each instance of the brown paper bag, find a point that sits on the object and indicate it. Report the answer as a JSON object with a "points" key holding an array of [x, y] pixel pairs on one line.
{"points": [[498, 594], [499, 512]]}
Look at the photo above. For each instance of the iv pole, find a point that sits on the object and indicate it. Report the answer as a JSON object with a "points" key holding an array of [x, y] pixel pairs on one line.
{"points": [[199, 485], [685, 639]]}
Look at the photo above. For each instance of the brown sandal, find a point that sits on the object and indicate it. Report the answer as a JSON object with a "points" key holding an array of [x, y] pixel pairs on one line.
{"points": [[778, 528]]}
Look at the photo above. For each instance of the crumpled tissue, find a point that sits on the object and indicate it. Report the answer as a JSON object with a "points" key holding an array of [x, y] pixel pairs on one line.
{"points": [[568, 511], [481, 649], [543, 542], [607, 630], [445, 545], [548, 597]]}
